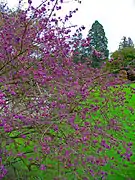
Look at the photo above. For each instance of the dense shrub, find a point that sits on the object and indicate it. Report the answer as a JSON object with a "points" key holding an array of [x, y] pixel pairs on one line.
{"points": [[122, 58], [126, 54]]}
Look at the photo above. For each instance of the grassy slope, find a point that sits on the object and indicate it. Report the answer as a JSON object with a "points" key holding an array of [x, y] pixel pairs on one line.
{"points": [[127, 135]]}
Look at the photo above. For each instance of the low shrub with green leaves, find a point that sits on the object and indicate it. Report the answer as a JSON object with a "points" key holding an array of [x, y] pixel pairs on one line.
{"points": [[122, 58]]}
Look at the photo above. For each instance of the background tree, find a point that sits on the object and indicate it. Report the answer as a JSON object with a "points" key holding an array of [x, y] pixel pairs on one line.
{"points": [[77, 37], [121, 59], [126, 42], [98, 42], [80, 54]]}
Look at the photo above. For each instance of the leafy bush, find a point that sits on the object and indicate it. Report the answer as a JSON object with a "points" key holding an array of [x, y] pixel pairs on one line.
{"points": [[121, 59], [126, 54]]}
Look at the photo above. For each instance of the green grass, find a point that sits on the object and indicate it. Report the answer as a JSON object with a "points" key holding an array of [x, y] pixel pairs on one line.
{"points": [[126, 120]]}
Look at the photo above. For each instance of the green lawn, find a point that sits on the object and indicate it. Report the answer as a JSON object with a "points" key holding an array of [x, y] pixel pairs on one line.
{"points": [[126, 120]]}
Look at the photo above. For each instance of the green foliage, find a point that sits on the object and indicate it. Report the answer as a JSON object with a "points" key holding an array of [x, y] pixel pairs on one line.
{"points": [[96, 51], [126, 54], [98, 38], [113, 66], [98, 42], [126, 43], [121, 59], [97, 61], [80, 53]]}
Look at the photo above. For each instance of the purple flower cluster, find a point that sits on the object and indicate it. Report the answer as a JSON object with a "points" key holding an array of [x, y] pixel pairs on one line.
{"points": [[49, 111]]}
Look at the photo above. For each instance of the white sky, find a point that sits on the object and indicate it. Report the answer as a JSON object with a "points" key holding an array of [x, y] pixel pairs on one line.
{"points": [[116, 16]]}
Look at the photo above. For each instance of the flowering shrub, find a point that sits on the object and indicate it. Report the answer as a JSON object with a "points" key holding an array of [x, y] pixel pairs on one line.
{"points": [[48, 104]]}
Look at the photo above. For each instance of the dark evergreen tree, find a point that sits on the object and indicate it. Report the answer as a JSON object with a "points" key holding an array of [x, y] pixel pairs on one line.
{"points": [[126, 42], [99, 42], [130, 42], [78, 51], [98, 38]]}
